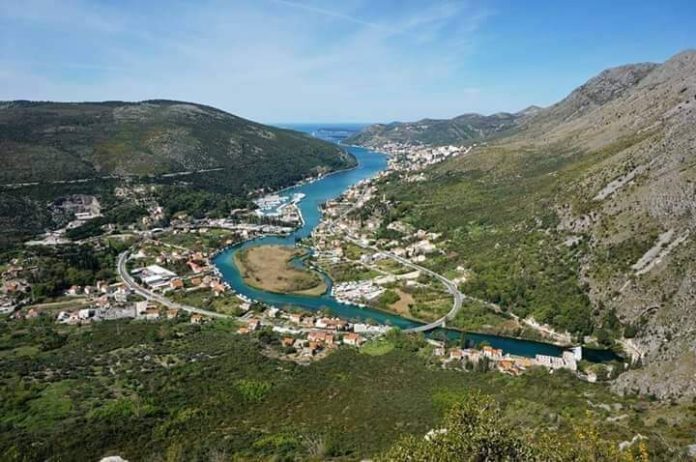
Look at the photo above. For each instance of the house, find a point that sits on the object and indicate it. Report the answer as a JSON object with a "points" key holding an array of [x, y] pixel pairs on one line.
{"points": [[140, 307], [295, 318], [471, 355], [353, 339], [456, 354], [218, 288], [494, 354], [172, 313], [508, 366], [176, 284], [196, 282], [103, 287], [195, 267], [74, 290], [331, 323], [288, 341], [321, 338], [85, 313], [253, 324], [197, 318], [151, 313], [310, 349], [32, 314]]}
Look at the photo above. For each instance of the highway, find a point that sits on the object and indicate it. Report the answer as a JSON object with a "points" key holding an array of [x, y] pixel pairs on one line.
{"points": [[140, 290]]}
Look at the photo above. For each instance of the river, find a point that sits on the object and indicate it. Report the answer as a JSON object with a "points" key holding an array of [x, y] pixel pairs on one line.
{"points": [[316, 193]]}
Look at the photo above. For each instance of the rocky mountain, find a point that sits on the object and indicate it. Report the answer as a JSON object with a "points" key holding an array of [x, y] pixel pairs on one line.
{"points": [[462, 129], [584, 216]]}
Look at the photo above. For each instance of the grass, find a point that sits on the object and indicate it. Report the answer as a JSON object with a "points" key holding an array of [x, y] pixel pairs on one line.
{"points": [[211, 240], [377, 347], [226, 304], [108, 390]]}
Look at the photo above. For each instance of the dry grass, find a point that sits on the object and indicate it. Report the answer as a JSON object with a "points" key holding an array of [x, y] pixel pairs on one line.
{"points": [[268, 268], [403, 306]]}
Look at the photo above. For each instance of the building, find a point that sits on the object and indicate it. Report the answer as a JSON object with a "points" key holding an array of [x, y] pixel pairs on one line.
{"points": [[151, 313], [491, 353], [155, 276], [353, 339], [197, 318], [321, 338]]}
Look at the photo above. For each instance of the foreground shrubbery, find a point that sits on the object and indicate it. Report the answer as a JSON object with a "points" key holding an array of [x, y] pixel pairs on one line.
{"points": [[173, 391], [476, 430]]}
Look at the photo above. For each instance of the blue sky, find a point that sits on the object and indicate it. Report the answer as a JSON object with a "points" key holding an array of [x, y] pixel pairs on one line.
{"points": [[320, 60]]}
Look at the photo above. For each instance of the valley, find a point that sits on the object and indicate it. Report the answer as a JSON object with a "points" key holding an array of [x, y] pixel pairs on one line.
{"points": [[183, 284]]}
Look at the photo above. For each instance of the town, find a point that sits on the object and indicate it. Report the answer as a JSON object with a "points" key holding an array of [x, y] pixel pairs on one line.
{"points": [[168, 274]]}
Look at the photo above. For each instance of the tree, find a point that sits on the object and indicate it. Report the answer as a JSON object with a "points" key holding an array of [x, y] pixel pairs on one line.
{"points": [[475, 430]]}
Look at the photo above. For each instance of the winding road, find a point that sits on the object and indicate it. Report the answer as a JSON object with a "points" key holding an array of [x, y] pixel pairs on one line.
{"points": [[149, 295], [451, 287]]}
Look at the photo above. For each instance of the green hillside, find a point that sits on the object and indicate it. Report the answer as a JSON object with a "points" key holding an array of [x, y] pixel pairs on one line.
{"points": [[53, 149], [65, 141], [464, 129], [583, 217]]}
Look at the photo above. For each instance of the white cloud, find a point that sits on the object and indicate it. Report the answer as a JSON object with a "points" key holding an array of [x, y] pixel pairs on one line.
{"points": [[277, 60]]}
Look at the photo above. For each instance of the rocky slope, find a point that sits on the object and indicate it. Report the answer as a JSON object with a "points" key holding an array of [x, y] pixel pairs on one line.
{"points": [[606, 178]]}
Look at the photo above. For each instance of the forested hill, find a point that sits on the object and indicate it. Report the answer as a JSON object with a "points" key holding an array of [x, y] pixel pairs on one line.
{"points": [[583, 217], [459, 130], [44, 141], [50, 150]]}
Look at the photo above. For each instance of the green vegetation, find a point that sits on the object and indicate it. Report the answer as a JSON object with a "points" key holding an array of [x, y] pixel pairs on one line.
{"points": [[437, 132], [496, 210], [150, 138], [477, 317], [342, 272], [51, 142], [226, 304], [475, 430], [52, 270], [144, 389], [122, 214], [212, 239]]}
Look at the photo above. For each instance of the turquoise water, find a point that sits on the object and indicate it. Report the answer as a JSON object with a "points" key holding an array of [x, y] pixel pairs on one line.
{"points": [[316, 193], [369, 164]]}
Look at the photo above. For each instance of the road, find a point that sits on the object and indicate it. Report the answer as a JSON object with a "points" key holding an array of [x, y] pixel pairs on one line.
{"points": [[149, 295], [457, 296]]}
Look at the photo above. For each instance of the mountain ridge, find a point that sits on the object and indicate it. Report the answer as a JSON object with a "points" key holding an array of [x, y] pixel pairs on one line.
{"points": [[601, 187]]}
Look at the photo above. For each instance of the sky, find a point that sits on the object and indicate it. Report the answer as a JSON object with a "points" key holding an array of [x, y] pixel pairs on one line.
{"points": [[280, 61]]}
